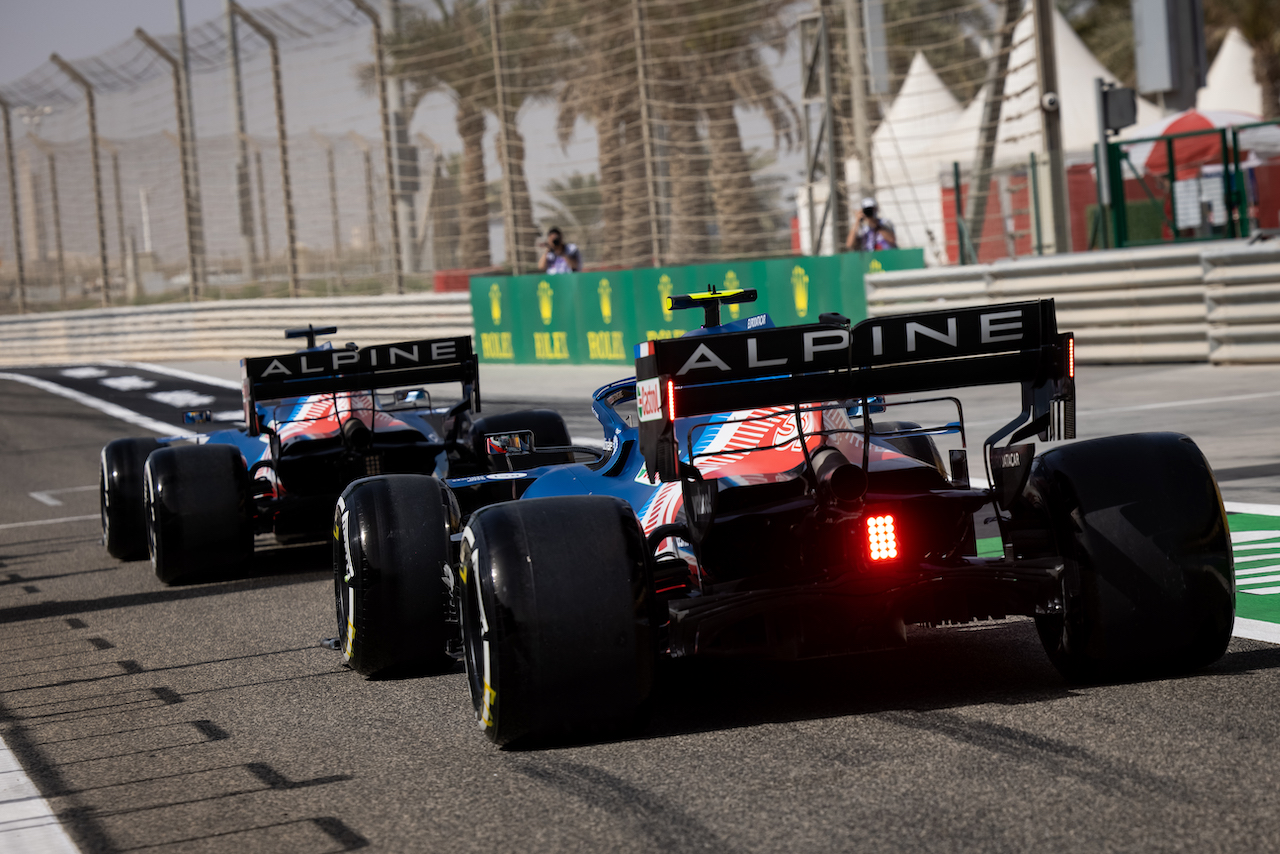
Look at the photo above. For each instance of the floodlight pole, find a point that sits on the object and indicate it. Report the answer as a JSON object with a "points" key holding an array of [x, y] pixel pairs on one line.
{"points": [[13, 203], [369, 204], [97, 171], [380, 77], [256, 150], [290, 225], [1051, 122], [190, 204], [115, 178], [51, 157]]}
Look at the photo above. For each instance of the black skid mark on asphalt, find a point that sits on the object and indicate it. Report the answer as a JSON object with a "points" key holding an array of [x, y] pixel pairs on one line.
{"points": [[30, 588], [1054, 757], [340, 833], [76, 623], [101, 643], [211, 731], [273, 779], [131, 667], [661, 820], [168, 696]]}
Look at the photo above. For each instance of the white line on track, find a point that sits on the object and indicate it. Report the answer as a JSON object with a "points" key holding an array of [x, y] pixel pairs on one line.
{"points": [[27, 824], [172, 372], [114, 410], [1255, 509], [1257, 630], [46, 497], [9, 525]]}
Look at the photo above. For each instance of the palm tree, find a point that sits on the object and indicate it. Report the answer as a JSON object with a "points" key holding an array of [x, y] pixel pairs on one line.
{"points": [[598, 84], [715, 47], [452, 51]]}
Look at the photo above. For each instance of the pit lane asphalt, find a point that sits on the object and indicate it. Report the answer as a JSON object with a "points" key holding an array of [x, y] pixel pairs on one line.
{"points": [[207, 718]]}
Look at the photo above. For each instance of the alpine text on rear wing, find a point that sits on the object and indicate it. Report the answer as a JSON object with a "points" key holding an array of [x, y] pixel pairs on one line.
{"points": [[926, 351], [424, 362]]}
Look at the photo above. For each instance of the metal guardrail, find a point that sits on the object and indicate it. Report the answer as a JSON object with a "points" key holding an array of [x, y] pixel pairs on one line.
{"points": [[1243, 303], [1187, 303], [223, 329]]}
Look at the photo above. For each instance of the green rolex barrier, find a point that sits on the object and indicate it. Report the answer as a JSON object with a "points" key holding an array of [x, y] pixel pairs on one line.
{"points": [[597, 317]]}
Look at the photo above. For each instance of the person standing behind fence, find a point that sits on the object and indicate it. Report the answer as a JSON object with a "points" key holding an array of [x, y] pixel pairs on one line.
{"points": [[559, 257], [871, 231]]}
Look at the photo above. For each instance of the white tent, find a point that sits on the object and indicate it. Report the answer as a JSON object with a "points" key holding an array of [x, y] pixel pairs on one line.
{"points": [[1231, 84], [907, 176]]}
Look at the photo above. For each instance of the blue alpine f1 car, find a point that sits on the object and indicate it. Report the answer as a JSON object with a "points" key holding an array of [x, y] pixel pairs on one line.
{"points": [[753, 499], [314, 421]]}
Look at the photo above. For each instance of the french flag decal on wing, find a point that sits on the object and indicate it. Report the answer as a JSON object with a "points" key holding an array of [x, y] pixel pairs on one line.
{"points": [[644, 349]]}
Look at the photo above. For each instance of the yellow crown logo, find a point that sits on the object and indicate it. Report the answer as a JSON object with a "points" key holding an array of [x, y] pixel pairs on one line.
{"points": [[800, 287], [876, 266], [664, 290], [545, 293], [495, 303], [606, 301], [731, 283]]}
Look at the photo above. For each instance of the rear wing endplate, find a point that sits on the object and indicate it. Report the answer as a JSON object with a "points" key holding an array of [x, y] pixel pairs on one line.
{"points": [[424, 362], [927, 351]]}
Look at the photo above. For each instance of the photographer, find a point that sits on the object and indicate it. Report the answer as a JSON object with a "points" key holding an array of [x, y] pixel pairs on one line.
{"points": [[871, 231], [559, 257]]}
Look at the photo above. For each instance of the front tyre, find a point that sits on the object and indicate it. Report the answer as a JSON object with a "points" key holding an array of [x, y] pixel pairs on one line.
{"points": [[199, 517], [556, 624], [391, 559], [124, 520], [1149, 583]]}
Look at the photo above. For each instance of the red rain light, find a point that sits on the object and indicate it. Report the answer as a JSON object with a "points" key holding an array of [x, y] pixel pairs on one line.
{"points": [[1071, 358], [881, 538], [671, 399]]}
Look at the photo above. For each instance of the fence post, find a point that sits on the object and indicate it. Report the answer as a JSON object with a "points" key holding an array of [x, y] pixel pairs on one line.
{"points": [[51, 157], [13, 203], [290, 227], [97, 171], [195, 211], [190, 206], [380, 75]]}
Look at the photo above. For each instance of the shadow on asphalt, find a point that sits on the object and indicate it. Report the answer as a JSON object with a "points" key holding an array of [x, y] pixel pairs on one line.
{"points": [[275, 567], [940, 669]]}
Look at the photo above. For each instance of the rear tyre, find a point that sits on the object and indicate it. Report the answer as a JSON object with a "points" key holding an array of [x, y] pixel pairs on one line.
{"points": [[1148, 585], [124, 520], [199, 519], [548, 430], [555, 598], [390, 559]]}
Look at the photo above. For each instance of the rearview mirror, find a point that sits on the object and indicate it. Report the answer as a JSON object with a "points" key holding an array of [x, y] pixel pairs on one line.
{"points": [[517, 442]]}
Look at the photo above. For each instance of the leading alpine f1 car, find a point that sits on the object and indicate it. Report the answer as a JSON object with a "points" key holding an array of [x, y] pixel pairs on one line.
{"points": [[314, 421], [747, 503]]}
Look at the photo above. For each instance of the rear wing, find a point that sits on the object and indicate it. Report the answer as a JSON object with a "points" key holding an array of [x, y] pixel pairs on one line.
{"points": [[1006, 343], [439, 360]]}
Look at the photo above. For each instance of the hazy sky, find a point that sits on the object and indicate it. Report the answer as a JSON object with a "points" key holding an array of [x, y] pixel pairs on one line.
{"points": [[30, 30]]}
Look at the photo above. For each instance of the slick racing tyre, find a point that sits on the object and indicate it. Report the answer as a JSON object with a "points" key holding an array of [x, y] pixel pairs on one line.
{"points": [[199, 523], [1148, 584], [548, 430], [390, 562], [124, 522], [555, 598]]}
